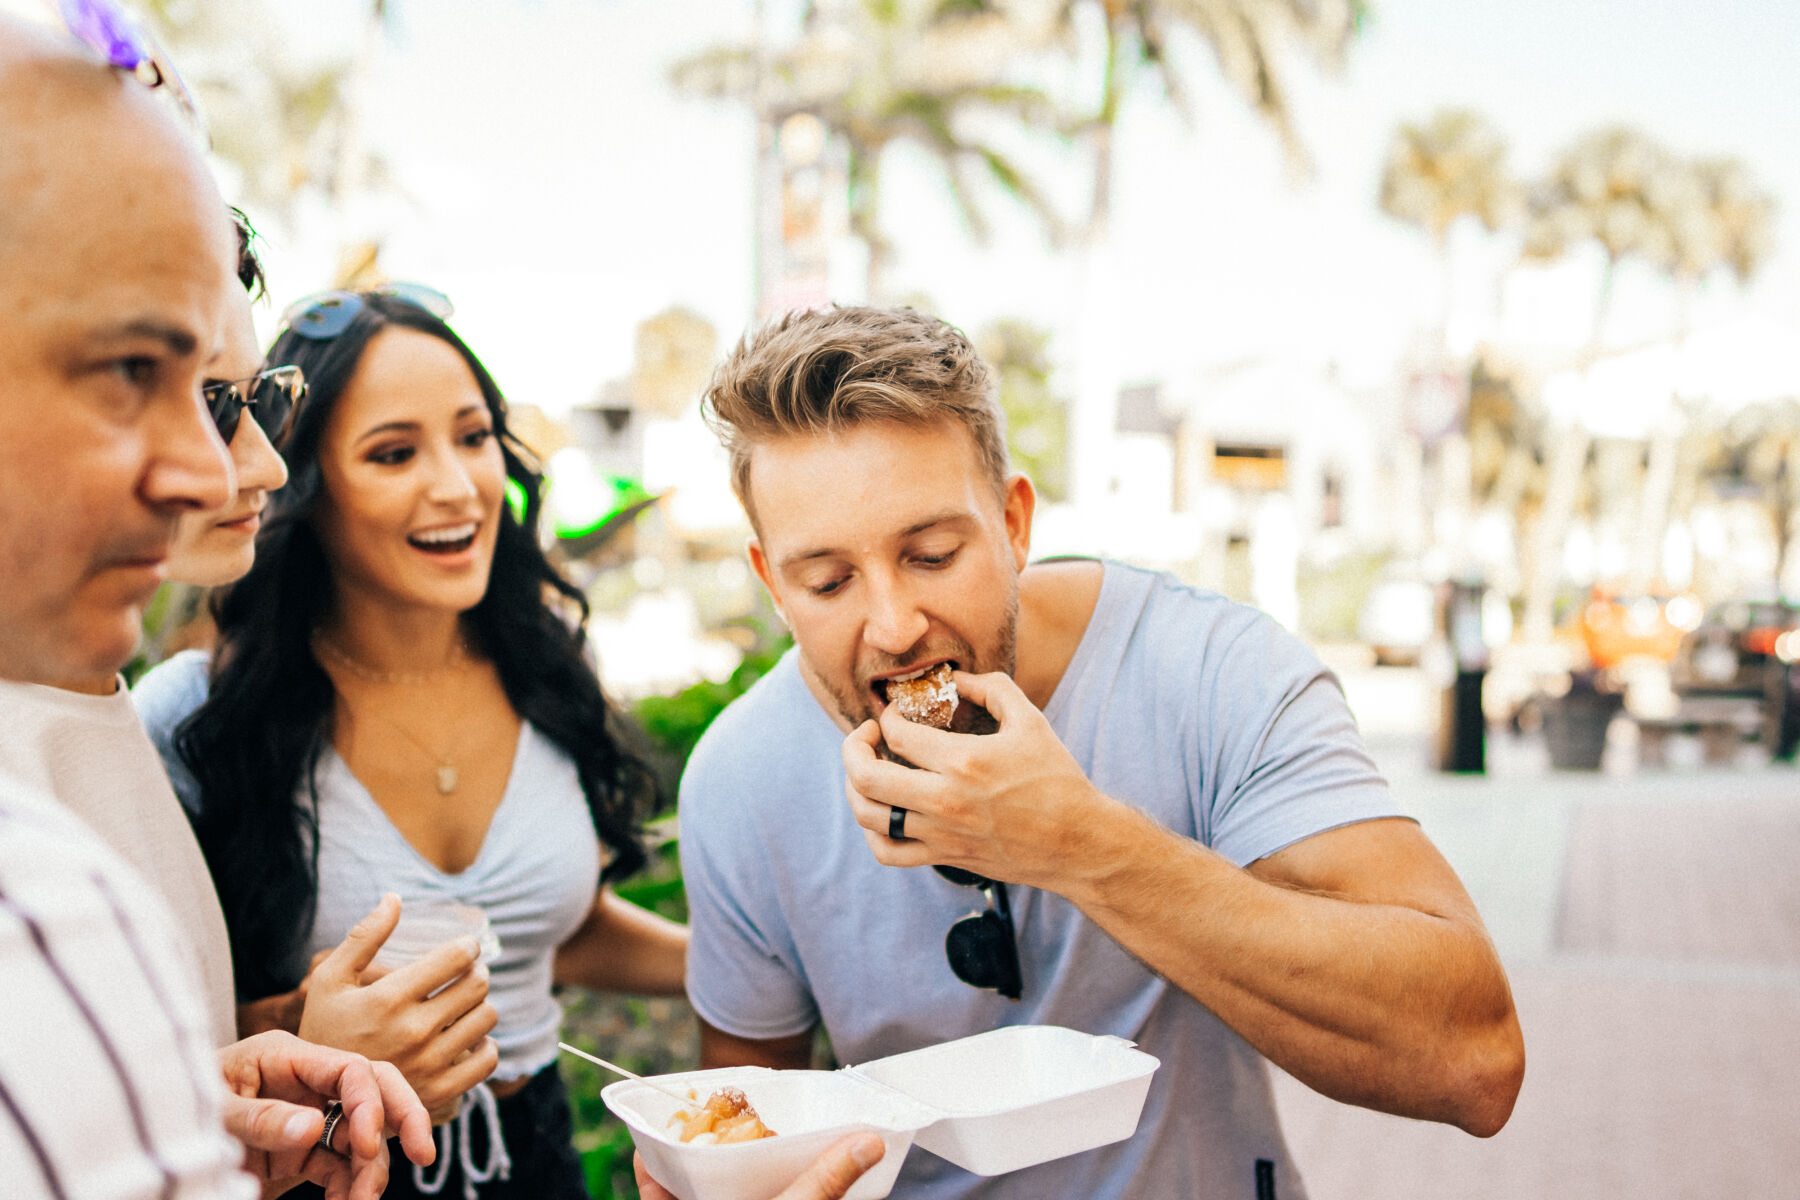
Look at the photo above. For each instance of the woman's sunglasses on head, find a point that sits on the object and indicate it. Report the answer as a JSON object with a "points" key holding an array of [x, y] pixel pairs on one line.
{"points": [[324, 315], [273, 396]]}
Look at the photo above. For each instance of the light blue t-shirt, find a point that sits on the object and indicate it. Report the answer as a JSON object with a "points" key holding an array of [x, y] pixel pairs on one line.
{"points": [[535, 875], [1201, 712], [165, 697]]}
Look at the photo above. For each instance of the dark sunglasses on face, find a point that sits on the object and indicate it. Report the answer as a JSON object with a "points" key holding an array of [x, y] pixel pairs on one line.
{"points": [[323, 315], [982, 947], [272, 395], [127, 45]]}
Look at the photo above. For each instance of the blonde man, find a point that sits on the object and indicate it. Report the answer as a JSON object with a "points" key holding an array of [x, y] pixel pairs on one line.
{"points": [[1180, 837]]}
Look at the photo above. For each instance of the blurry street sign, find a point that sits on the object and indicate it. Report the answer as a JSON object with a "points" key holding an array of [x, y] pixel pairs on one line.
{"points": [[803, 218]]}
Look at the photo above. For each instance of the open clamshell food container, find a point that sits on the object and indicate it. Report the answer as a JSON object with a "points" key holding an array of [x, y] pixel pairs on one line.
{"points": [[991, 1103]]}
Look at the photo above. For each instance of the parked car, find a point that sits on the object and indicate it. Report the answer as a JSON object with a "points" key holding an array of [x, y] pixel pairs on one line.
{"points": [[1729, 651], [1748, 651]]}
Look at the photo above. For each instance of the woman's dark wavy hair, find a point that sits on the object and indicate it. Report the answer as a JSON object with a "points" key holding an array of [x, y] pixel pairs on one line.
{"points": [[255, 743]]}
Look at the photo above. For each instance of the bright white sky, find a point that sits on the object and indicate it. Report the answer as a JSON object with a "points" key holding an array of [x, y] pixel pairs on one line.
{"points": [[563, 191]]}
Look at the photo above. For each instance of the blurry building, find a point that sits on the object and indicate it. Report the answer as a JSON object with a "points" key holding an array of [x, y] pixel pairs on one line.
{"points": [[1242, 478], [611, 431]]}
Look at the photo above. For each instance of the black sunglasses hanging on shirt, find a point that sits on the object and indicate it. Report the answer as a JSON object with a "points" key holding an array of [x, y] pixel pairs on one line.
{"points": [[982, 947]]}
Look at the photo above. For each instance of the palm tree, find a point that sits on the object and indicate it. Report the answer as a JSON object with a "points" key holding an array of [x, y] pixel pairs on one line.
{"points": [[1686, 218], [287, 129], [1438, 173], [1447, 168], [1618, 188], [880, 72], [1752, 451], [1246, 38], [1443, 170], [1722, 222], [1735, 228]]}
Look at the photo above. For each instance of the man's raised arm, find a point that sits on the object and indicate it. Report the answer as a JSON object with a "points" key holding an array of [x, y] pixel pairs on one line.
{"points": [[1353, 959]]}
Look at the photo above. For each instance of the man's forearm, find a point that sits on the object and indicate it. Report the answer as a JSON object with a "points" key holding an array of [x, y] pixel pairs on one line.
{"points": [[1390, 997]]}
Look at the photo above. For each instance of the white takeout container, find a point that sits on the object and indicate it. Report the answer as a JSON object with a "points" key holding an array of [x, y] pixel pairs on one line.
{"points": [[990, 1103]]}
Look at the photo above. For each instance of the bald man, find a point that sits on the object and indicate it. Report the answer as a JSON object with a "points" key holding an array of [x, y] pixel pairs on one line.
{"points": [[112, 258]]}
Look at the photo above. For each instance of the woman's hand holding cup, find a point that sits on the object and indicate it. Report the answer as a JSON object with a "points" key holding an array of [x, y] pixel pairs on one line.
{"points": [[429, 1017]]}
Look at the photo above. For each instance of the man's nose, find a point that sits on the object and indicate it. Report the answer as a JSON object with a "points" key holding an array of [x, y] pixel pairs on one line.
{"points": [[894, 623], [189, 468]]}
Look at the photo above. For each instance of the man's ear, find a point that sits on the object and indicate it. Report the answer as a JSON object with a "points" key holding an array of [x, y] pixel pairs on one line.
{"points": [[1020, 504], [759, 563]]}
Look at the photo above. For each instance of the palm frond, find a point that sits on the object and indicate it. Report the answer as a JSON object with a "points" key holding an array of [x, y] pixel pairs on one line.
{"points": [[1023, 188]]}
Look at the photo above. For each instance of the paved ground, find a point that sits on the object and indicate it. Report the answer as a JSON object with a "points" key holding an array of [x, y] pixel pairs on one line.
{"points": [[1650, 921]]}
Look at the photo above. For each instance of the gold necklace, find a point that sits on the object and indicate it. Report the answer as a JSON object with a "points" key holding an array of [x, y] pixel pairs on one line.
{"points": [[446, 770], [325, 647], [447, 776]]}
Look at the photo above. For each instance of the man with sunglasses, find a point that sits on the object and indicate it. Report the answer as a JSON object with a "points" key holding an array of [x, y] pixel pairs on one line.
{"points": [[1180, 837], [113, 258], [251, 408]]}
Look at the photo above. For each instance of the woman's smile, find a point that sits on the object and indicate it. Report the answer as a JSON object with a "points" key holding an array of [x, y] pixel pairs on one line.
{"points": [[446, 541], [414, 477]]}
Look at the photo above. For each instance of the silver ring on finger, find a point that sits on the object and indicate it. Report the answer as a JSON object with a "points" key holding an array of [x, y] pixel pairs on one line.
{"points": [[334, 1112]]}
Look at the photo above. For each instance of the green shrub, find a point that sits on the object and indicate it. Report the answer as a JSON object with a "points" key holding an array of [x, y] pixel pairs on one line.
{"points": [[676, 722], [649, 1037]]}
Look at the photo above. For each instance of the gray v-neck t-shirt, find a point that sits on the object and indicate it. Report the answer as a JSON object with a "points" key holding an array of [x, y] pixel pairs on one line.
{"points": [[1203, 713], [535, 876]]}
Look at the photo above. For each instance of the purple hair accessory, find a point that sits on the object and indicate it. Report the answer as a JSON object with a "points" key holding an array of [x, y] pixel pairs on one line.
{"points": [[110, 29], [107, 29]]}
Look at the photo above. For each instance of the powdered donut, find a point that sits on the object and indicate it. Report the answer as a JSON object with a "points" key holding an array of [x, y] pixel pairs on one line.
{"points": [[724, 1119], [926, 699]]}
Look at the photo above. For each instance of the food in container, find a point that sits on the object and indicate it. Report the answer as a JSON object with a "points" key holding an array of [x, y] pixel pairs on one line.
{"points": [[811, 1109], [725, 1118], [991, 1103]]}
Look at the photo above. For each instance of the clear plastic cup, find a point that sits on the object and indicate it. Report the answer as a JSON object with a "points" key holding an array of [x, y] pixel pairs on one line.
{"points": [[426, 924]]}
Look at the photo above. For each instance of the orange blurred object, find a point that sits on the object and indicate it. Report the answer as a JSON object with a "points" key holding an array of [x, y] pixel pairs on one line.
{"points": [[1616, 628], [1762, 641]]}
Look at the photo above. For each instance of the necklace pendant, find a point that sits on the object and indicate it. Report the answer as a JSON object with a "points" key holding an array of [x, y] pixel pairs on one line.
{"points": [[446, 779]]}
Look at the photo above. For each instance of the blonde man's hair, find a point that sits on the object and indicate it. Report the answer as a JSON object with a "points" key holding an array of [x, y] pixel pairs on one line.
{"points": [[826, 370]]}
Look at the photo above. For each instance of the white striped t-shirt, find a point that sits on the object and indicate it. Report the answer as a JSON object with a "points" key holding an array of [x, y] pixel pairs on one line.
{"points": [[109, 1087]]}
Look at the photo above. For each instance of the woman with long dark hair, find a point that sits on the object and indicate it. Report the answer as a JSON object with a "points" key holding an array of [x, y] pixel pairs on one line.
{"points": [[400, 702]]}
